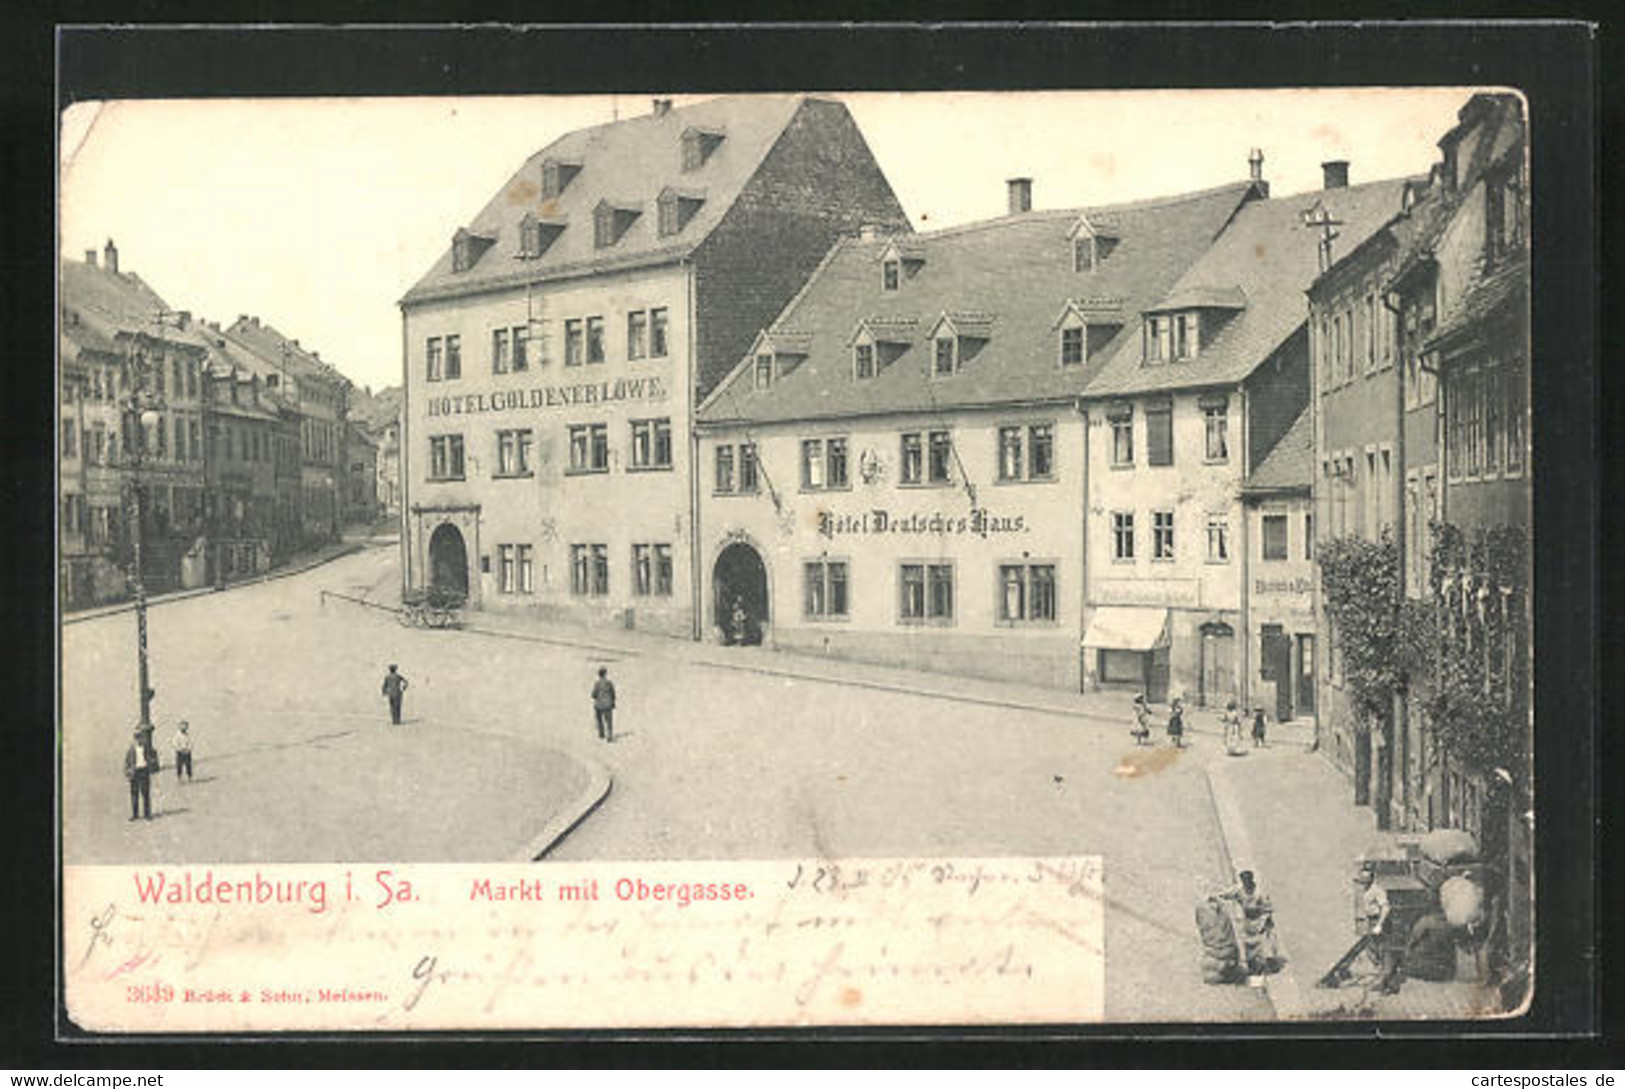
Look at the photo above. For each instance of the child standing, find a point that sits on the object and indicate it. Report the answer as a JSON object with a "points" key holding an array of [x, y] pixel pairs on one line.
{"points": [[183, 751], [1258, 727], [1176, 724]]}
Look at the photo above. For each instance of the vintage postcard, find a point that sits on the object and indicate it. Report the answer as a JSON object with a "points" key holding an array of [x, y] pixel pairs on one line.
{"points": [[841, 559]]}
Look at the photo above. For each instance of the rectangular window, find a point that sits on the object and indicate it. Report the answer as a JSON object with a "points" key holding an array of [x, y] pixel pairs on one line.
{"points": [[812, 463], [501, 362], [657, 332], [98, 443], [507, 569], [941, 450], [747, 467], [454, 357], [824, 589], [1218, 538], [574, 343], [1010, 449], [432, 371], [595, 340], [945, 353], [1158, 339], [1187, 336], [939, 591], [1122, 421], [1071, 347], [911, 592], [1123, 535], [1162, 535], [643, 570], [1041, 451], [527, 570], [1216, 420], [1159, 434], [513, 452], [637, 334], [912, 460], [1026, 593], [663, 570], [580, 569], [521, 353], [835, 463], [725, 469], [1308, 535], [446, 457], [863, 360], [651, 444], [1512, 394], [1493, 381], [600, 570], [764, 370], [589, 448], [1275, 536]]}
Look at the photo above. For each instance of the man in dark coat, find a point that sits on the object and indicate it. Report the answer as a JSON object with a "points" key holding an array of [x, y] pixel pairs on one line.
{"points": [[139, 761], [395, 689], [603, 705]]}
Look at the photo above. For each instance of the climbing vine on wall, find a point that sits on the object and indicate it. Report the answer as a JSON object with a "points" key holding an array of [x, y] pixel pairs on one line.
{"points": [[1364, 598], [1478, 705]]}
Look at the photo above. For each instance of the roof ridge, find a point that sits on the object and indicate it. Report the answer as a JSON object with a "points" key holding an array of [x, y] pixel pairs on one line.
{"points": [[1147, 204]]}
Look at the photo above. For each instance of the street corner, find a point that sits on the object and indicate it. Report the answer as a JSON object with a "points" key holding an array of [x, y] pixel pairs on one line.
{"points": [[596, 783], [420, 792]]}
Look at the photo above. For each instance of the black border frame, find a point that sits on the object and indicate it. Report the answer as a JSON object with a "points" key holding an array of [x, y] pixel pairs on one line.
{"points": [[1555, 64]]}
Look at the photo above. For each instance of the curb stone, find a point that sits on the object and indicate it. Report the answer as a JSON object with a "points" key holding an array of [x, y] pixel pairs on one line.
{"points": [[578, 809], [1281, 989], [98, 611]]}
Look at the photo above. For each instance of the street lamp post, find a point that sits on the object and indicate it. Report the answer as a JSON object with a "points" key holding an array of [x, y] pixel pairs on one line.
{"points": [[141, 414]]}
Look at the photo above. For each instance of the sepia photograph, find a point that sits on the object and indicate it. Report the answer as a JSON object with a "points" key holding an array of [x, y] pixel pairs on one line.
{"points": [[840, 557]]}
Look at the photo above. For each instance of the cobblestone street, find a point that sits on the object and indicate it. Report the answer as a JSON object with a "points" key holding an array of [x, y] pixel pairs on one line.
{"points": [[296, 760]]}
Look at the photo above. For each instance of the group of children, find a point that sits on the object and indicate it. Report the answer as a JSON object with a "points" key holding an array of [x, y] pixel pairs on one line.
{"points": [[1231, 719]]}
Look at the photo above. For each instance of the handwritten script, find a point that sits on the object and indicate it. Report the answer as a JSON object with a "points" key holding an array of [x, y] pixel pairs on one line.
{"points": [[577, 945]]}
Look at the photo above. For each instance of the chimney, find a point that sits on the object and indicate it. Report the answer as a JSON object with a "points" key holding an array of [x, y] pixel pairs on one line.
{"points": [[110, 256], [90, 258], [868, 233], [1335, 174], [1021, 194], [1255, 164], [662, 106]]}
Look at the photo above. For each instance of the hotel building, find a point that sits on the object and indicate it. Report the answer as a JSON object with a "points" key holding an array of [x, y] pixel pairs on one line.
{"points": [[555, 351], [895, 469]]}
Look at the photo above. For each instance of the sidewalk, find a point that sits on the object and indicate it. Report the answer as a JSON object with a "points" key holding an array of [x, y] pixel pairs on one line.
{"points": [[353, 541], [1288, 815]]}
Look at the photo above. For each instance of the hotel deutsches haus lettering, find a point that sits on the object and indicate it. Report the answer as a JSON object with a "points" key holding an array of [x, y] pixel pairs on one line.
{"points": [[554, 354]]}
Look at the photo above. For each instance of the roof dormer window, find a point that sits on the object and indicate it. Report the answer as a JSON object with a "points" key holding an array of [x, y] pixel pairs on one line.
{"points": [[863, 361], [611, 221], [1093, 240], [557, 174], [676, 207], [899, 261], [1187, 335], [699, 144], [891, 274], [764, 370], [945, 355], [535, 235], [467, 248], [956, 338], [1173, 337], [1072, 354], [1159, 338]]}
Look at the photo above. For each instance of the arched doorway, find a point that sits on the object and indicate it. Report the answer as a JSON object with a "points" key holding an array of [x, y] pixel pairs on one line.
{"points": [[448, 560], [740, 602], [1218, 663]]}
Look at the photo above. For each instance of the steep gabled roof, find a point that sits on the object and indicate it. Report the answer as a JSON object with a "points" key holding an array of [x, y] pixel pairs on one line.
{"points": [[282, 355], [1290, 463], [1017, 269], [1269, 257], [99, 304], [1499, 296], [625, 164]]}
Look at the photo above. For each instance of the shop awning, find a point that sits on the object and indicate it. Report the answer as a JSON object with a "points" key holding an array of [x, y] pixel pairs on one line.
{"points": [[1127, 627]]}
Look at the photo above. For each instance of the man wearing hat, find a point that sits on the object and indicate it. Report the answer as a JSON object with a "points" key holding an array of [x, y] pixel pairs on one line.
{"points": [[138, 762]]}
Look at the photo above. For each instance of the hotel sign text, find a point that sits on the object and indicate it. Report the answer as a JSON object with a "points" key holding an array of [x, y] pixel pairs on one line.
{"points": [[582, 393]]}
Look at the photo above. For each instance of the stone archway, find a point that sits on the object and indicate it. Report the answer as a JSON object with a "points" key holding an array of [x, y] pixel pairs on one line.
{"points": [[740, 599], [448, 560]]}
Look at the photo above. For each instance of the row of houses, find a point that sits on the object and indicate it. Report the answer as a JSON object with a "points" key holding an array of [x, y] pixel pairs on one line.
{"points": [[238, 439], [694, 372]]}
